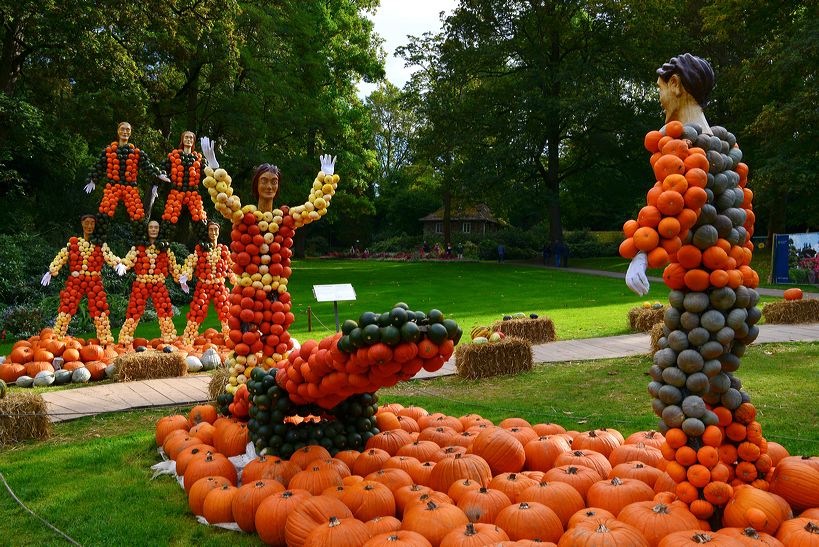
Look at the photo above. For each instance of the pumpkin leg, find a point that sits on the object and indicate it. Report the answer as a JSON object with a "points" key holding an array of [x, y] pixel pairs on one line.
{"points": [[111, 195], [133, 203], [126, 333], [103, 325], [61, 324], [167, 328]]}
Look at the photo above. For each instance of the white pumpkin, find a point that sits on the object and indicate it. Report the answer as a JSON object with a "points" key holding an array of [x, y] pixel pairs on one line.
{"points": [[81, 376], [43, 378], [210, 359], [24, 381], [194, 364]]}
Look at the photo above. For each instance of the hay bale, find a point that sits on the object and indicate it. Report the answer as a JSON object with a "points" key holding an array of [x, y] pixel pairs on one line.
{"points": [[536, 331], [656, 333], [509, 356], [23, 416], [643, 319], [792, 311], [149, 364], [218, 382]]}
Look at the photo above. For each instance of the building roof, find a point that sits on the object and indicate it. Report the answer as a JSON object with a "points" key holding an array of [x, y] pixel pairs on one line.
{"points": [[470, 212]]}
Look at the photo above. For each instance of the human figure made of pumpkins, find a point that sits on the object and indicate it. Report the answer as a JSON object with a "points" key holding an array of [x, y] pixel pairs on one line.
{"points": [[85, 257], [698, 223], [152, 262], [261, 241], [119, 167], [211, 266], [185, 166]]}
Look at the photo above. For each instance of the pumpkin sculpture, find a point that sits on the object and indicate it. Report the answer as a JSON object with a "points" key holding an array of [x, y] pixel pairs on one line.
{"points": [[706, 248]]}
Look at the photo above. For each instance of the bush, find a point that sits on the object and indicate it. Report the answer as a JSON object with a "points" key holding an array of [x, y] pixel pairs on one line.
{"points": [[470, 250], [584, 244], [316, 246], [21, 322], [397, 244], [24, 258]]}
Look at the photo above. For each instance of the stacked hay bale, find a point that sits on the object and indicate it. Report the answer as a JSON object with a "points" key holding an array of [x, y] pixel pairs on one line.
{"points": [[656, 333], [23, 416], [643, 318], [537, 330], [146, 365], [792, 311], [507, 356]]}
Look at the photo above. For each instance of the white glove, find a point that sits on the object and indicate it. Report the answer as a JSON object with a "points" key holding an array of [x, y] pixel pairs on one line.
{"points": [[328, 164], [636, 279], [183, 282], [154, 192], [46, 279], [89, 187], [208, 152], [121, 269], [163, 177]]}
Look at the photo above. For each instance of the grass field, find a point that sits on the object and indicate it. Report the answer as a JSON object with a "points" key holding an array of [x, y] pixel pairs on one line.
{"points": [[472, 293], [92, 479]]}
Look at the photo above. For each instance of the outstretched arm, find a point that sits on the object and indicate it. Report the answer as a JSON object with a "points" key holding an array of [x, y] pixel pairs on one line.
{"points": [[54, 267], [217, 181], [324, 187], [94, 173], [110, 258]]}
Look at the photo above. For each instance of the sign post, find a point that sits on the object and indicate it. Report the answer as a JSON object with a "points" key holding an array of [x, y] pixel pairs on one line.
{"points": [[334, 294]]}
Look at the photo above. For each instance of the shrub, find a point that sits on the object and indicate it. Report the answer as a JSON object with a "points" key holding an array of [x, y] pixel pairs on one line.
{"points": [[316, 246], [22, 321], [584, 244]]}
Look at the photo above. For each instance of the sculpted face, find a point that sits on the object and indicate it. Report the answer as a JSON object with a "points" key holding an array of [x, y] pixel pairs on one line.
{"points": [[213, 233], [124, 132], [153, 230], [188, 138], [88, 225], [268, 185]]}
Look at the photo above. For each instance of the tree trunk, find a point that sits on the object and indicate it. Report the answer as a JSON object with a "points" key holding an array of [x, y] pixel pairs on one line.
{"points": [[11, 58]]}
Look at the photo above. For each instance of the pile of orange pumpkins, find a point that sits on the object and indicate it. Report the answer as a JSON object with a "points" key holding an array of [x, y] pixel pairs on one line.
{"points": [[37, 354], [432, 479]]}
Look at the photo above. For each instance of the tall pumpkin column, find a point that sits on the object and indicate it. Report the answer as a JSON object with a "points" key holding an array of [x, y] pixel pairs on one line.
{"points": [[697, 223]]}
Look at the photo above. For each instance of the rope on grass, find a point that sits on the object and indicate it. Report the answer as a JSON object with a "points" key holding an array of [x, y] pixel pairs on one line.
{"points": [[41, 519]]}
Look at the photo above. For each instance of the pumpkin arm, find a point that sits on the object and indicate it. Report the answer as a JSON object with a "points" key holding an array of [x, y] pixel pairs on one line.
{"points": [[108, 255], [59, 261], [130, 259], [176, 269], [146, 164], [93, 174], [227, 209], [303, 210]]}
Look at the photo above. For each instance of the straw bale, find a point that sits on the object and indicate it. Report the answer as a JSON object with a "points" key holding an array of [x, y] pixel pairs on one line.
{"points": [[792, 311], [536, 331], [643, 319], [656, 333], [218, 382], [23, 416], [149, 364], [509, 356]]}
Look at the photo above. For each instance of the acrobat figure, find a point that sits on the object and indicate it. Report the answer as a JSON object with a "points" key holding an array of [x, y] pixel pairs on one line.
{"points": [[119, 167], [186, 169], [210, 266], [698, 223], [262, 237], [152, 261], [85, 257]]}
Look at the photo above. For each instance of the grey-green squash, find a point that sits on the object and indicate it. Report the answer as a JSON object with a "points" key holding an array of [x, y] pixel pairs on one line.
{"points": [[696, 302], [674, 377], [3, 389], [693, 406], [711, 350], [81, 376], [62, 377], [711, 368], [690, 361], [678, 340], [669, 395], [210, 359], [731, 399], [689, 320], [723, 298], [720, 383], [43, 378], [697, 383], [706, 236], [693, 427], [673, 416], [24, 381], [698, 336], [712, 320]]}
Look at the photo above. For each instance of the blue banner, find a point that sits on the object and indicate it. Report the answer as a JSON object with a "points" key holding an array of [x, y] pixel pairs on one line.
{"points": [[781, 252]]}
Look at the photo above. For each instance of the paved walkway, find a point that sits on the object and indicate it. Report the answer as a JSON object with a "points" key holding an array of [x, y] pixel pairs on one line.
{"points": [[76, 403]]}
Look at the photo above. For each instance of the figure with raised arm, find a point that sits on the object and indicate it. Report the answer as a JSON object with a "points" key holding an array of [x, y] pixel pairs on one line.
{"points": [[85, 257], [210, 265], [185, 166], [262, 237], [152, 261], [119, 166]]}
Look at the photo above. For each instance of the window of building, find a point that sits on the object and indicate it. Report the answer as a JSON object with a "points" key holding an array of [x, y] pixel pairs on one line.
{"points": [[439, 227], [467, 227]]}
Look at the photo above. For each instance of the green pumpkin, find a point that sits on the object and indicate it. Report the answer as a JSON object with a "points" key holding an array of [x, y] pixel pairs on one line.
{"points": [[3, 389]]}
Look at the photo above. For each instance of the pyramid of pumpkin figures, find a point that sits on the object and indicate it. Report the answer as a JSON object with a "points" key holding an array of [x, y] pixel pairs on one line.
{"points": [[698, 222]]}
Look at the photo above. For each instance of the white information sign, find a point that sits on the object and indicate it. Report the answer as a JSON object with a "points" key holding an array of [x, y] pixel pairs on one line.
{"points": [[334, 293]]}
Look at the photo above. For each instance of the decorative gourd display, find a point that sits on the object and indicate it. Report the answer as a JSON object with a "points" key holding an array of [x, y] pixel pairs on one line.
{"points": [[699, 218]]}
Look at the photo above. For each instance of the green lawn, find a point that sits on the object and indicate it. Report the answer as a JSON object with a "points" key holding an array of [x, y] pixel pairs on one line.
{"points": [[472, 293], [92, 479], [761, 263]]}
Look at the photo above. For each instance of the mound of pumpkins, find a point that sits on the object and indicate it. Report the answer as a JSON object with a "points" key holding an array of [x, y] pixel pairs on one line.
{"points": [[45, 360], [438, 480]]}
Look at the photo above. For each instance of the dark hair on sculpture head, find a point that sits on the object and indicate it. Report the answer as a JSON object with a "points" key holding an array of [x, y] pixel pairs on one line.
{"points": [[260, 170], [695, 73]]}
